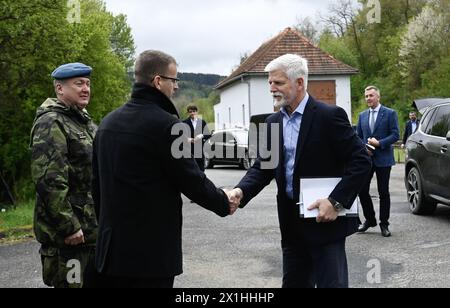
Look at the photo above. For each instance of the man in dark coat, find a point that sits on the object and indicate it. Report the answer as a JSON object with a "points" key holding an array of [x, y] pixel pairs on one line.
{"points": [[316, 141], [411, 127], [199, 135], [138, 182]]}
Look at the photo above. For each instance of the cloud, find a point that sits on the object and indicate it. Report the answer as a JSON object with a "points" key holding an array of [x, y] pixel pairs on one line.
{"points": [[210, 36]]}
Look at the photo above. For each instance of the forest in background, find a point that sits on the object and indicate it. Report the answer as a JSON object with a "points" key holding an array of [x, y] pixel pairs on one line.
{"points": [[198, 89], [401, 46], [36, 37]]}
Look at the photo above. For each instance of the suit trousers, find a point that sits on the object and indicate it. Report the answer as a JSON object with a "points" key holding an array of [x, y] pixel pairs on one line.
{"points": [[383, 178], [306, 266]]}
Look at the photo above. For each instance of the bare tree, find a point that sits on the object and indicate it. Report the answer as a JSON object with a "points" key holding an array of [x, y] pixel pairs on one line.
{"points": [[308, 28], [341, 16], [341, 21], [244, 56]]}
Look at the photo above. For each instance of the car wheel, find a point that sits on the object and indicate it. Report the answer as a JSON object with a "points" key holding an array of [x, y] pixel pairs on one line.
{"points": [[418, 202], [208, 163], [246, 162]]}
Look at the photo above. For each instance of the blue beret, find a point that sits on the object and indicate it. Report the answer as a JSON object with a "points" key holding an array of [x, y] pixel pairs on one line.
{"points": [[72, 70]]}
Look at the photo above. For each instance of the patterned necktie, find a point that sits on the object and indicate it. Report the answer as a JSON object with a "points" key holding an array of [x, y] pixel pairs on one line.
{"points": [[372, 121]]}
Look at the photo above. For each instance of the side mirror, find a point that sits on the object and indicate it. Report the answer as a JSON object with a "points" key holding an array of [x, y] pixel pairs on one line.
{"points": [[448, 136]]}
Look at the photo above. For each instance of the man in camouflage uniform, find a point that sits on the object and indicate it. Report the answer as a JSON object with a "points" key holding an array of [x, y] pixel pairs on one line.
{"points": [[61, 145]]}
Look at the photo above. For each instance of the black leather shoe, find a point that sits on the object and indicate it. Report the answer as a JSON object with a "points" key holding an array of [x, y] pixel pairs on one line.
{"points": [[385, 231], [365, 226]]}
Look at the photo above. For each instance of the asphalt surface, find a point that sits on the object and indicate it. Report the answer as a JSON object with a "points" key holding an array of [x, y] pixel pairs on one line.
{"points": [[243, 251]]}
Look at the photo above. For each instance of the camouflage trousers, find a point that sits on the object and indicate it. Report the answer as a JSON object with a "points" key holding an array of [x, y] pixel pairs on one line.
{"points": [[68, 267]]}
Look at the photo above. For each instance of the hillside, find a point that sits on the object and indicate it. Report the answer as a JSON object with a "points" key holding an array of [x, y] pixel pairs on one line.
{"points": [[203, 79], [197, 89]]}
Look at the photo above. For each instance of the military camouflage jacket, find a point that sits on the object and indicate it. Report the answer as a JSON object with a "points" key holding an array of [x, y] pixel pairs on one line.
{"points": [[61, 149]]}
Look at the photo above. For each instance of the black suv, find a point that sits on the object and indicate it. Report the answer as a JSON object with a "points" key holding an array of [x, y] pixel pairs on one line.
{"points": [[427, 171], [228, 147]]}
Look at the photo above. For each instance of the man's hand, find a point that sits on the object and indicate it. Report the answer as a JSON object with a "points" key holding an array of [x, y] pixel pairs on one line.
{"points": [[327, 213], [198, 138], [75, 239], [234, 196], [191, 140], [374, 142]]}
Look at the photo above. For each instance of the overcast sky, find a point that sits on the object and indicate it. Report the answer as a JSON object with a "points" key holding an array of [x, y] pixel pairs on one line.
{"points": [[209, 36]]}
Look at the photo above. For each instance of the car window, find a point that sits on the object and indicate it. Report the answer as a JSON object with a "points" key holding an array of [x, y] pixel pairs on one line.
{"points": [[229, 138], [218, 137], [440, 125], [426, 120], [242, 137]]}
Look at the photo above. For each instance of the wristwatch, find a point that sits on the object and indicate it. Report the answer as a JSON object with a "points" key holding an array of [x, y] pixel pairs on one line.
{"points": [[337, 206]]}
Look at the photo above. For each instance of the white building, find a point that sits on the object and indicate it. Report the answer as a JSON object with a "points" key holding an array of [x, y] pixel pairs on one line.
{"points": [[246, 91]]}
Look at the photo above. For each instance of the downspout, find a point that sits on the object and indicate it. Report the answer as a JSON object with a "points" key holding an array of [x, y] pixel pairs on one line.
{"points": [[249, 98]]}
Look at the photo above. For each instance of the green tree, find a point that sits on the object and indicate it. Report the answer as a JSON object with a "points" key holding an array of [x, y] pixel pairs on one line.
{"points": [[122, 41], [28, 32], [37, 36], [425, 44], [436, 81], [374, 45], [206, 106], [338, 47], [373, 38]]}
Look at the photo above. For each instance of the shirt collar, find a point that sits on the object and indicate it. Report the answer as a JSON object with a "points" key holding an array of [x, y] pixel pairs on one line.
{"points": [[376, 109], [300, 109]]}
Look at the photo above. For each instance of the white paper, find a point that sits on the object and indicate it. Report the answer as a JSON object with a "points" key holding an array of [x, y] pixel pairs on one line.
{"points": [[312, 190]]}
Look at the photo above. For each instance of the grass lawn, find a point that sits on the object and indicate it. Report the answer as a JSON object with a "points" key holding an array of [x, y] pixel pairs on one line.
{"points": [[399, 155], [16, 224]]}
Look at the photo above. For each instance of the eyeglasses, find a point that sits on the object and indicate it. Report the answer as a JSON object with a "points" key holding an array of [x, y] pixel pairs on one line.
{"points": [[174, 80]]}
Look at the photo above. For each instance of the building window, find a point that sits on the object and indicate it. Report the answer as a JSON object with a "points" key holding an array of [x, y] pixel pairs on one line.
{"points": [[229, 116], [243, 114]]}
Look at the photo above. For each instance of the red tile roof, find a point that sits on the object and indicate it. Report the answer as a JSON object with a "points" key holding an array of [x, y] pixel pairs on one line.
{"points": [[290, 41]]}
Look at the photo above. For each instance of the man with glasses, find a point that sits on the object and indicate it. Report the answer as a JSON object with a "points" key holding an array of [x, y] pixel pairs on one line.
{"points": [[199, 135], [137, 183]]}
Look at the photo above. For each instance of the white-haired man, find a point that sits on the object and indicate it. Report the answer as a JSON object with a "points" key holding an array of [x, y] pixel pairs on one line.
{"points": [[317, 140]]}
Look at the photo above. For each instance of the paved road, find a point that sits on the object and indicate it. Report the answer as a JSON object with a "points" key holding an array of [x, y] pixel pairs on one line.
{"points": [[244, 250]]}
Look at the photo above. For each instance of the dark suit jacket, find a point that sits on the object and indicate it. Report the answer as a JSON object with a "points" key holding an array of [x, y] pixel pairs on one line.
{"points": [[137, 186], [386, 132], [200, 130], [409, 130], [327, 147]]}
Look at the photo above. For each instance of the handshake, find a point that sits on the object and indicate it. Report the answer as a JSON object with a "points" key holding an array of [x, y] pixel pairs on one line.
{"points": [[234, 198]]}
